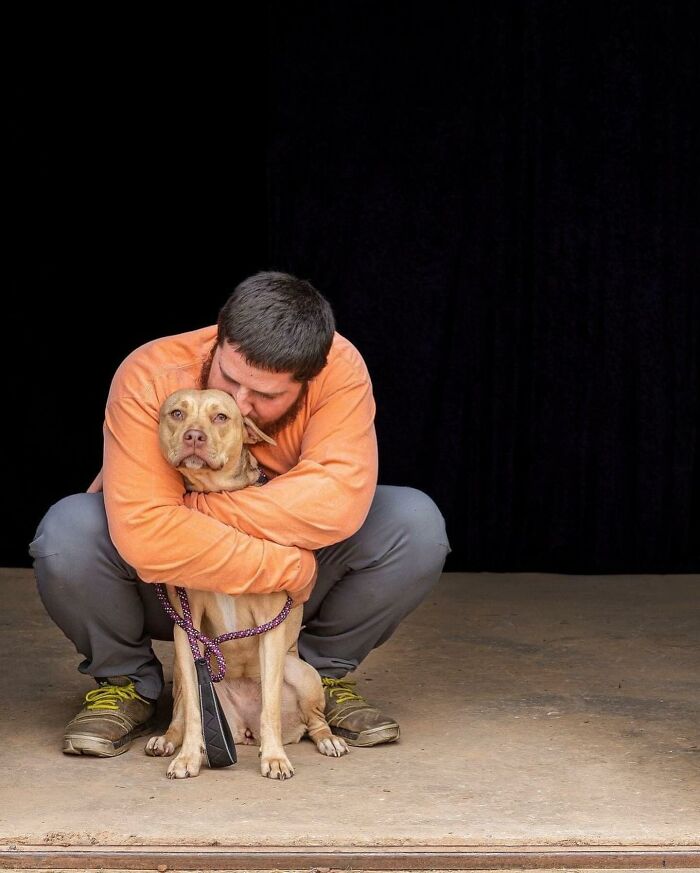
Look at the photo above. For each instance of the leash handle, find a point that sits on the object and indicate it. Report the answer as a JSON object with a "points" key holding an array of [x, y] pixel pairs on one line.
{"points": [[218, 742]]}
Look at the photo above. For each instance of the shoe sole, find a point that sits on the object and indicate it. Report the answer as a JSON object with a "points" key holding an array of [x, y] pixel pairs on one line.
{"points": [[83, 744], [376, 736]]}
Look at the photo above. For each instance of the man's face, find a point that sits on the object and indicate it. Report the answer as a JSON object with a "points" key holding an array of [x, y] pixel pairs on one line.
{"points": [[271, 400]]}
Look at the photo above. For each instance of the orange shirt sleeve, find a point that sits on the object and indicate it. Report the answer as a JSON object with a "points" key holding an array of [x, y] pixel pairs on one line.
{"points": [[153, 529], [326, 496]]}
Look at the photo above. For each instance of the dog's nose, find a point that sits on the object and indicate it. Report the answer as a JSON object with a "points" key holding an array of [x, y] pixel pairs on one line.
{"points": [[195, 437]]}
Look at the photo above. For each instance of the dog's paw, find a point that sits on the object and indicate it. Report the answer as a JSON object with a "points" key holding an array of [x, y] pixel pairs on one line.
{"points": [[160, 747], [334, 747], [184, 766], [276, 767]]}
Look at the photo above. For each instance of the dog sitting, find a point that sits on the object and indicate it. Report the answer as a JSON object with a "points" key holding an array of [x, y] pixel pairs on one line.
{"points": [[204, 436]]}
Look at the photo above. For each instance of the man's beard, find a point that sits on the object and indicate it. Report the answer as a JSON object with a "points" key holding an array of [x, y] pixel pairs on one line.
{"points": [[274, 427], [269, 428]]}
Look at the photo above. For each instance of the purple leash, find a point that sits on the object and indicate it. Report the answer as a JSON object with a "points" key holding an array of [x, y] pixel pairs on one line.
{"points": [[211, 646], [218, 742]]}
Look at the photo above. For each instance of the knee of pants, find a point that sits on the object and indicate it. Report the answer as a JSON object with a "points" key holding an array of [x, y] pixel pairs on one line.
{"points": [[420, 525], [69, 535]]}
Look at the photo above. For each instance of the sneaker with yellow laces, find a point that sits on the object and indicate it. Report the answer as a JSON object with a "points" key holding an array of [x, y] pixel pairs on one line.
{"points": [[111, 717], [352, 718]]}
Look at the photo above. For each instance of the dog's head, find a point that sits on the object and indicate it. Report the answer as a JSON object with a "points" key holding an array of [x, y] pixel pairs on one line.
{"points": [[204, 435]]}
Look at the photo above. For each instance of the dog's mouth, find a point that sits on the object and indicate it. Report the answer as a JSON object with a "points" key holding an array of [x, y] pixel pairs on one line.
{"points": [[194, 461]]}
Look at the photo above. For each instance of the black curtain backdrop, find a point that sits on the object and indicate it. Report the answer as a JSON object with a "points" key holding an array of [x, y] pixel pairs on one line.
{"points": [[499, 199], [503, 200], [137, 202]]}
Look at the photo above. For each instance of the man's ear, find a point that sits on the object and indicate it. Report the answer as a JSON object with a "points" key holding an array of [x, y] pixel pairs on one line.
{"points": [[254, 434]]}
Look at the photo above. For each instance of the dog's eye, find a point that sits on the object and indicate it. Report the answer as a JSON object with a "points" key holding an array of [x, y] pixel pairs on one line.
{"points": [[176, 414], [220, 418]]}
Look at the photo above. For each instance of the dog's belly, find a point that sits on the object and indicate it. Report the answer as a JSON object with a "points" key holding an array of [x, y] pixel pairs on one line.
{"points": [[241, 699]]}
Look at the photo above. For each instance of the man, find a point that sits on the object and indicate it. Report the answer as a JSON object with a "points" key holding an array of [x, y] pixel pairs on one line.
{"points": [[359, 556]]}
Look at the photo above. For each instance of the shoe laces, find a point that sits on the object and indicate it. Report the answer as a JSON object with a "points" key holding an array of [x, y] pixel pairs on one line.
{"points": [[341, 690], [110, 696]]}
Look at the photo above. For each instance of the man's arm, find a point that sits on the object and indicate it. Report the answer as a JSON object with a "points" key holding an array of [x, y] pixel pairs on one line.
{"points": [[164, 540], [326, 497]]}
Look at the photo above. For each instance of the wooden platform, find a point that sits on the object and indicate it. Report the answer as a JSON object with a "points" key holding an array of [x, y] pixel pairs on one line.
{"points": [[547, 721]]}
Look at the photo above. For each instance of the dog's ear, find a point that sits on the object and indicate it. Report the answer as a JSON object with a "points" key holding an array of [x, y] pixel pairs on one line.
{"points": [[254, 434]]}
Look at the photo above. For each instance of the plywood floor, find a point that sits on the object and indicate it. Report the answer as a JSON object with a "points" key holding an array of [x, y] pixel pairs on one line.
{"points": [[536, 710]]}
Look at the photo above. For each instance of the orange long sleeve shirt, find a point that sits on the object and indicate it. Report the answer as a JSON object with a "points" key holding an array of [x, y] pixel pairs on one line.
{"points": [[323, 469]]}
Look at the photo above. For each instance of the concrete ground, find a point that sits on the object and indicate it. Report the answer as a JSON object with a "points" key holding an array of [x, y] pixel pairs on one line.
{"points": [[536, 710]]}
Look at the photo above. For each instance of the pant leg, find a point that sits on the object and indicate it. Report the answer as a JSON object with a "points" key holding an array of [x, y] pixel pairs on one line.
{"points": [[95, 597], [368, 583]]}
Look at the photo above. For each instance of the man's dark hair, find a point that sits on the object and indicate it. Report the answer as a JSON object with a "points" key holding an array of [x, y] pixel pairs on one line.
{"points": [[279, 323]]}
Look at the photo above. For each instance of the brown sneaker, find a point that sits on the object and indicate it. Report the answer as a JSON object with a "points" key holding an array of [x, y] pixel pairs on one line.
{"points": [[352, 718], [111, 717]]}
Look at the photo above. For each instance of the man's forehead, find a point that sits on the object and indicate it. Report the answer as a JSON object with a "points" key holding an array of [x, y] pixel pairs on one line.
{"points": [[233, 365]]}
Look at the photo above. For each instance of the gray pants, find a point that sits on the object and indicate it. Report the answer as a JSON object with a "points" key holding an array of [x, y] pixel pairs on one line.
{"points": [[366, 585]]}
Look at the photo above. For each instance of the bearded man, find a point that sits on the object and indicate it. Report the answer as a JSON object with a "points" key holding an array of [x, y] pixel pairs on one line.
{"points": [[358, 555]]}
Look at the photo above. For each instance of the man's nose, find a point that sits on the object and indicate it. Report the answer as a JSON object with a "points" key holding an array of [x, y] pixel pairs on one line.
{"points": [[242, 398]]}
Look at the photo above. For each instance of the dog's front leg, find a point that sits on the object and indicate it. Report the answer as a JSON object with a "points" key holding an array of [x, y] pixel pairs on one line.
{"points": [[164, 746], [189, 761], [274, 763]]}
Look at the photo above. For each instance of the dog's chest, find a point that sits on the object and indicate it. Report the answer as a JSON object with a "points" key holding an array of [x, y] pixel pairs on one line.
{"points": [[224, 614]]}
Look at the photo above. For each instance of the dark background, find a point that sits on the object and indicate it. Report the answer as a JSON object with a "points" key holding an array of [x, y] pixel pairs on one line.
{"points": [[499, 199]]}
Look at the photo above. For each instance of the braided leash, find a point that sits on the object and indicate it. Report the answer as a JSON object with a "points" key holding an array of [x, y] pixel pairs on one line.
{"points": [[211, 646]]}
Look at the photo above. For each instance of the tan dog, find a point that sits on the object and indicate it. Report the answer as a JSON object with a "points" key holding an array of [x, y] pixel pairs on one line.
{"points": [[203, 435]]}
